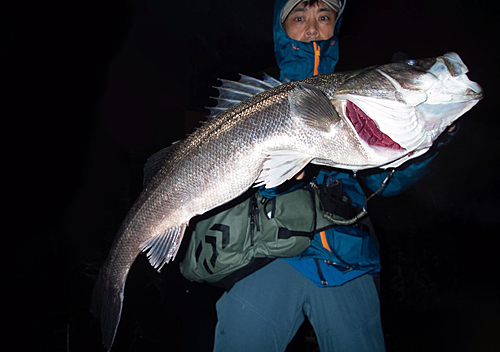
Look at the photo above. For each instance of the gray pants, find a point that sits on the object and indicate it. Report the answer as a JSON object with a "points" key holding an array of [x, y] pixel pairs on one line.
{"points": [[263, 312]]}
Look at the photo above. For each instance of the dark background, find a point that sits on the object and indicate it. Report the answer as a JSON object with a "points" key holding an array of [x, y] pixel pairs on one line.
{"points": [[94, 88]]}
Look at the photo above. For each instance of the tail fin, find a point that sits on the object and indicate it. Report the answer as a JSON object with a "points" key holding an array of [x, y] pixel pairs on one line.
{"points": [[107, 303]]}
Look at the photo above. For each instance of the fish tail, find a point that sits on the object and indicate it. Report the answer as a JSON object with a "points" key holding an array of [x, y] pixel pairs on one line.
{"points": [[107, 303]]}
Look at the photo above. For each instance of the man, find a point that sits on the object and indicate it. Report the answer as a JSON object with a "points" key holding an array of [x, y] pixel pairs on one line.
{"points": [[306, 37], [310, 22], [264, 310]]}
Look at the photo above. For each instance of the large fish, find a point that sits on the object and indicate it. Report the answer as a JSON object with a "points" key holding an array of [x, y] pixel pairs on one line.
{"points": [[380, 116]]}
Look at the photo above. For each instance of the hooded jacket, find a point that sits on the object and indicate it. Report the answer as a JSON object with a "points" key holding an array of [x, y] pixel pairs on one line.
{"points": [[298, 60]]}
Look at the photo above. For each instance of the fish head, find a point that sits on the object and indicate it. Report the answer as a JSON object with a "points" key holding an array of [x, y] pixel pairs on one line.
{"points": [[398, 110]]}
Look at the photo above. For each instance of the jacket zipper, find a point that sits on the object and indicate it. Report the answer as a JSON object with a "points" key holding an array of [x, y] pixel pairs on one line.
{"points": [[317, 52], [316, 260], [324, 242], [320, 273]]}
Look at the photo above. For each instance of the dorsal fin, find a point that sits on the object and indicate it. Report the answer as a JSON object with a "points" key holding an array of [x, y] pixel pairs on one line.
{"points": [[225, 103], [241, 87], [234, 92], [230, 94], [266, 82], [155, 161]]}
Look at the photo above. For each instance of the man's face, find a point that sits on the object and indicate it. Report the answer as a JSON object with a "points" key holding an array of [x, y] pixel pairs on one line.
{"points": [[310, 23]]}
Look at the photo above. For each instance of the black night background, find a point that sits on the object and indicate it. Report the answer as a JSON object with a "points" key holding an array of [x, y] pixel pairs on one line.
{"points": [[92, 89]]}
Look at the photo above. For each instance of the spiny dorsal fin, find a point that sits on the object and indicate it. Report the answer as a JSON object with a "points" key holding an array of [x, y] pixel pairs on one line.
{"points": [[226, 103], [234, 92], [266, 82], [230, 93], [313, 107], [214, 111], [242, 87]]}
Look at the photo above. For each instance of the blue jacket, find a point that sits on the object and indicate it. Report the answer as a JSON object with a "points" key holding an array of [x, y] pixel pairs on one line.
{"points": [[341, 253]]}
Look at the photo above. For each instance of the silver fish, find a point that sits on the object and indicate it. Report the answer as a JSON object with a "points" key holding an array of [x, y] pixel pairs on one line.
{"points": [[380, 116]]}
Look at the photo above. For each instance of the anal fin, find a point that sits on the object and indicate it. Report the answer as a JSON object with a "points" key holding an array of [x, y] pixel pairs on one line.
{"points": [[162, 248]]}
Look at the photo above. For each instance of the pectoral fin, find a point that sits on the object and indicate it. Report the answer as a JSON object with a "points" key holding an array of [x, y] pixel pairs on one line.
{"points": [[280, 166], [310, 105]]}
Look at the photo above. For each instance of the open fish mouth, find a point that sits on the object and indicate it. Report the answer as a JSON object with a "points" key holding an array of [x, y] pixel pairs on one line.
{"points": [[410, 103]]}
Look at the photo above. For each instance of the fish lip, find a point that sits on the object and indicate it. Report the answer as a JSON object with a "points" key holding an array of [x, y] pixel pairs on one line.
{"points": [[456, 67], [476, 96], [458, 70], [475, 91]]}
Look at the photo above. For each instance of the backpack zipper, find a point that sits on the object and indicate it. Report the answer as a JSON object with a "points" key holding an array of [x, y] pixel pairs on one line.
{"points": [[253, 213]]}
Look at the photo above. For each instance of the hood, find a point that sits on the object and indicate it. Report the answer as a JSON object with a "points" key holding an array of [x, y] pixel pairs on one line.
{"points": [[296, 59]]}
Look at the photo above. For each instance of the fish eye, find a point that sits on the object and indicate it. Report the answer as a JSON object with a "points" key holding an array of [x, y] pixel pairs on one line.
{"points": [[411, 62]]}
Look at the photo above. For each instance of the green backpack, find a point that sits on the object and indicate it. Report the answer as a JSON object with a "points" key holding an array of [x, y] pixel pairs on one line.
{"points": [[235, 242]]}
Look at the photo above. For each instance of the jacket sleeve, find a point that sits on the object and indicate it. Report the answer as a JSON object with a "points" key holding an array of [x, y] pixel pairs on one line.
{"points": [[406, 176], [402, 179]]}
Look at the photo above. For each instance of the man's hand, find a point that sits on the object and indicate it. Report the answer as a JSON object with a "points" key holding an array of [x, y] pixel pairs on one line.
{"points": [[300, 175]]}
